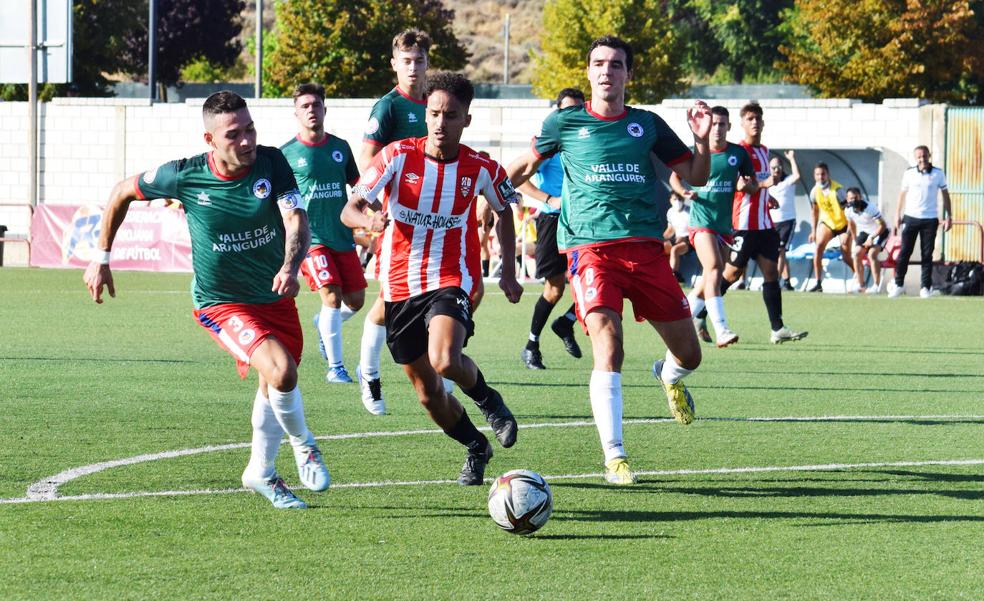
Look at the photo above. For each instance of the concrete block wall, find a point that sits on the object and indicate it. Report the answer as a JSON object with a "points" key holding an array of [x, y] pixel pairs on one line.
{"points": [[87, 144]]}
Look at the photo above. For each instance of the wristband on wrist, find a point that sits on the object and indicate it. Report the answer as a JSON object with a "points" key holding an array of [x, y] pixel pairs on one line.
{"points": [[101, 256]]}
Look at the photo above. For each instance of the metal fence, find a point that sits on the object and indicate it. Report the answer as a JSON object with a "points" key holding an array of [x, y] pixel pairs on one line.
{"points": [[965, 180]]}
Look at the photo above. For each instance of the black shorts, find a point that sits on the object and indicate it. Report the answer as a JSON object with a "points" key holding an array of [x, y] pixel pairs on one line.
{"points": [[785, 230], [753, 244], [407, 321], [549, 262], [877, 240]]}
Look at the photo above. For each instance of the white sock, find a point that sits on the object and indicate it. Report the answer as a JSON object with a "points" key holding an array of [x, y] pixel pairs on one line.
{"points": [[373, 337], [267, 435], [672, 372], [347, 312], [330, 326], [715, 310], [696, 303], [606, 406], [288, 407]]}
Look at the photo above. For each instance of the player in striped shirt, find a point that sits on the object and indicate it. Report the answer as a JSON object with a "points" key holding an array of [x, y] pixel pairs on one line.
{"points": [[430, 262]]}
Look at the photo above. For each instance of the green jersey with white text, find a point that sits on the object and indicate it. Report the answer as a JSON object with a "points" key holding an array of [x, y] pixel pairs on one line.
{"points": [[395, 116], [322, 170], [711, 209], [612, 192], [237, 231]]}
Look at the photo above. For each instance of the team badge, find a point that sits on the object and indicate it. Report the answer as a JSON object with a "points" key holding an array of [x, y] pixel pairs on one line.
{"points": [[732, 160], [506, 190], [150, 176], [372, 127], [290, 201], [412, 178], [261, 188], [466, 184], [583, 133], [323, 275], [247, 336], [635, 130], [338, 156]]}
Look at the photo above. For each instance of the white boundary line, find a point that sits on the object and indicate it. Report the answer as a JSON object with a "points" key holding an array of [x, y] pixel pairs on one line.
{"points": [[47, 489]]}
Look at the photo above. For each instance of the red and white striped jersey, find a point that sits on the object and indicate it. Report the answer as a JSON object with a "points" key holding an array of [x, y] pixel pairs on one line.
{"points": [[431, 241], [751, 211]]}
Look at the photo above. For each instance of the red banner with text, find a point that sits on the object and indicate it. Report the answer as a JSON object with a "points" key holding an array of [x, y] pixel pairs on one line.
{"points": [[150, 238]]}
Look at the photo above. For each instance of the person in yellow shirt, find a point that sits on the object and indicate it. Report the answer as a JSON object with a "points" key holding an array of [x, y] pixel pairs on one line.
{"points": [[827, 200]]}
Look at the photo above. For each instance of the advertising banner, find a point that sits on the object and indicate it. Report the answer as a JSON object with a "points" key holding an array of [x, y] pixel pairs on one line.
{"points": [[150, 238]]}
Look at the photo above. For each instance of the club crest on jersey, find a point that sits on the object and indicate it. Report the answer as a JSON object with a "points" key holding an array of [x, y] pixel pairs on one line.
{"points": [[246, 336], [372, 127], [732, 160], [635, 130], [302, 162], [412, 178], [338, 156], [150, 176], [261, 188], [466, 185], [583, 133]]}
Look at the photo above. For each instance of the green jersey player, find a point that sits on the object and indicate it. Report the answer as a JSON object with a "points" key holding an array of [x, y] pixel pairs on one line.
{"points": [[613, 215], [323, 164], [248, 228]]}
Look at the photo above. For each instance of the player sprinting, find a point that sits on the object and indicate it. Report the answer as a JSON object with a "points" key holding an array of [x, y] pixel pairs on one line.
{"points": [[323, 164], [551, 265], [755, 236], [430, 262], [249, 234], [710, 222], [612, 219]]}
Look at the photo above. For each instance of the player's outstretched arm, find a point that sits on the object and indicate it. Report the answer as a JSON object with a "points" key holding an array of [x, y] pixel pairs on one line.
{"points": [[698, 168], [297, 240], [97, 274], [523, 168], [506, 232]]}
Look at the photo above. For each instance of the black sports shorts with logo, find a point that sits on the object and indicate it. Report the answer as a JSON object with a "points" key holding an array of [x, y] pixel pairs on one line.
{"points": [[407, 321], [751, 244], [549, 262]]}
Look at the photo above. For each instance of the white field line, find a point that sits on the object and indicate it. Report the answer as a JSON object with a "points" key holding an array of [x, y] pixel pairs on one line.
{"points": [[47, 489]]}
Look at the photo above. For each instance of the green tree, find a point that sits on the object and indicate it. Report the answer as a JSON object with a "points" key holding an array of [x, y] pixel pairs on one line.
{"points": [[569, 27], [345, 45], [876, 49]]}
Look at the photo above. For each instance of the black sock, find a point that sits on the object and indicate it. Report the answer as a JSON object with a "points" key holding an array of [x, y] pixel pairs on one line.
{"points": [[703, 313], [467, 434], [541, 312], [570, 314], [485, 268], [772, 295], [725, 284], [480, 392]]}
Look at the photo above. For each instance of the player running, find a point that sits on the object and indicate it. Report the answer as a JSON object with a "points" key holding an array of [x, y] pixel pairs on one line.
{"points": [[430, 262], [551, 266], [322, 165], [613, 215], [248, 228], [710, 222]]}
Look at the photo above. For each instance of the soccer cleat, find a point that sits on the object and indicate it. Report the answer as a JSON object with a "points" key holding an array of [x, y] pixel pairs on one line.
{"points": [[784, 334], [677, 396], [787, 286], [275, 491], [500, 418], [372, 393], [311, 467], [473, 471], [532, 358], [726, 338], [895, 291], [564, 328], [818, 287], [338, 375], [321, 342], [700, 324], [617, 472], [928, 292]]}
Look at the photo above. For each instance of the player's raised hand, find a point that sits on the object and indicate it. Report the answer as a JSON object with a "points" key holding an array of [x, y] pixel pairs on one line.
{"points": [[791, 155], [285, 282], [512, 288], [96, 276], [699, 119]]}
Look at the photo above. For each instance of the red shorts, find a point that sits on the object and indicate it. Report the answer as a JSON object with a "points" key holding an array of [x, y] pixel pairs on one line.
{"points": [[726, 238], [240, 328], [603, 276], [326, 267]]}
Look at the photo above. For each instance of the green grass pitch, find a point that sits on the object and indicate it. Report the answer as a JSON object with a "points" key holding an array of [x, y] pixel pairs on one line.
{"points": [[82, 384]]}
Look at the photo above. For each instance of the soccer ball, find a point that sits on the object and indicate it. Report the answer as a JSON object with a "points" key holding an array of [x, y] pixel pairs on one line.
{"points": [[520, 501]]}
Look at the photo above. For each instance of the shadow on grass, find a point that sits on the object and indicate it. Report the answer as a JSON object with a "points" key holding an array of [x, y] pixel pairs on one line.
{"points": [[687, 516], [93, 360]]}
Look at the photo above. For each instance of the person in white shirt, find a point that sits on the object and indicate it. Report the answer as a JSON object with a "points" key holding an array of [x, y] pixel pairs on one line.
{"points": [[676, 236], [918, 215], [868, 228], [784, 216]]}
